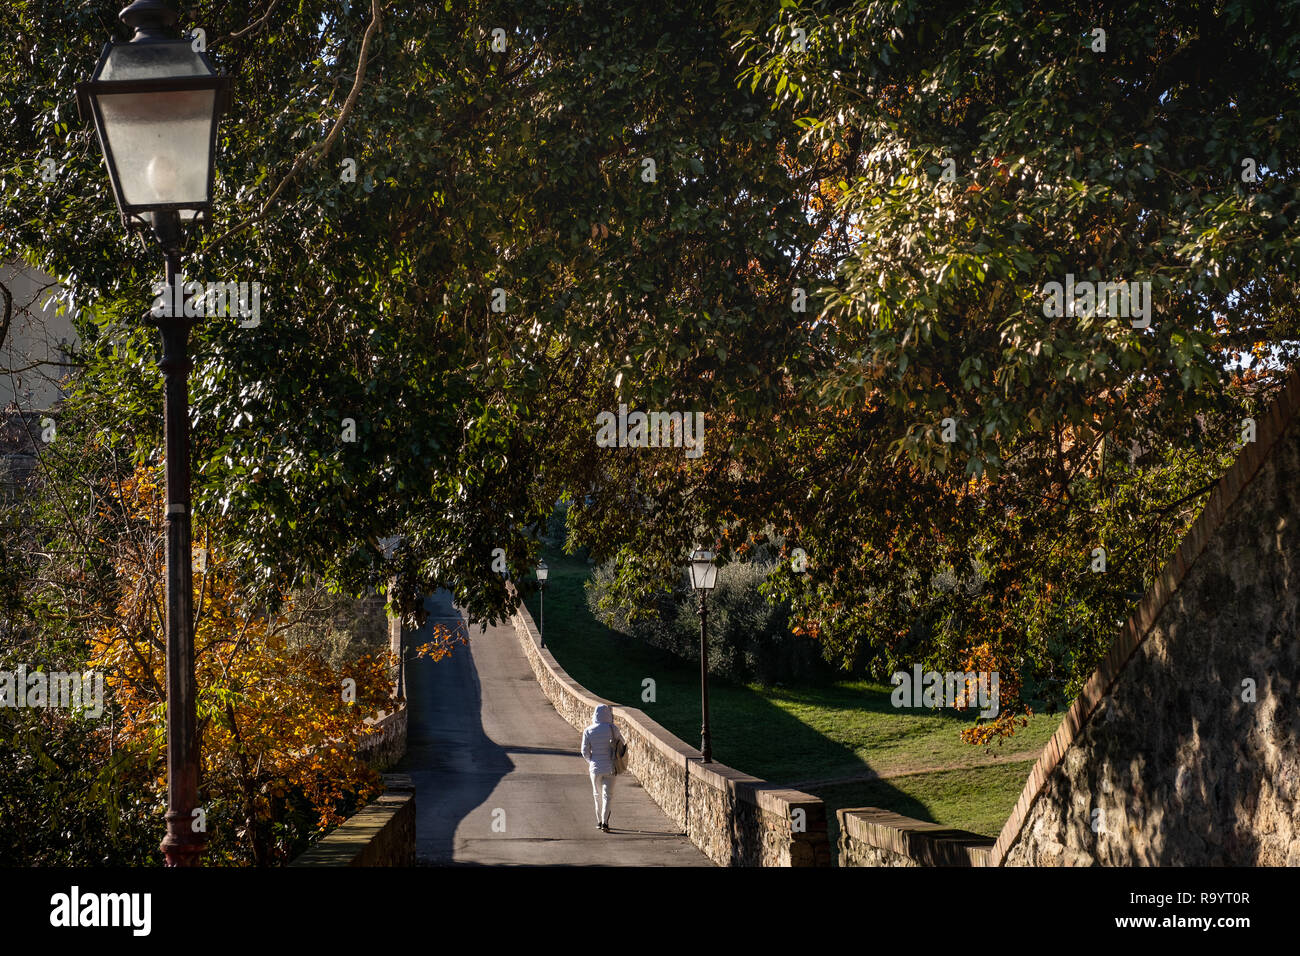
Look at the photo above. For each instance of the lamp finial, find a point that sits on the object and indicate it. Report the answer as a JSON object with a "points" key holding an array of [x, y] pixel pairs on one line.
{"points": [[148, 18]]}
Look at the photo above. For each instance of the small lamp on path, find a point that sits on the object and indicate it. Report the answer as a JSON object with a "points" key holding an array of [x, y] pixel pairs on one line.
{"points": [[542, 572], [704, 575]]}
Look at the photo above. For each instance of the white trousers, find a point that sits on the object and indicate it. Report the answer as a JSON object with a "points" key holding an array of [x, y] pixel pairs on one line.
{"points": [[602, 790]]}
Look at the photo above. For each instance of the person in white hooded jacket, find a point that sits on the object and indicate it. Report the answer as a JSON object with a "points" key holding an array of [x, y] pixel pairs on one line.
{"points": [[597, 743]]}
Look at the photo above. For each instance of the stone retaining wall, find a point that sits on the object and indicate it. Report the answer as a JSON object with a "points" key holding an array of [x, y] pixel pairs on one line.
{"points": [[873, 837], [1168, 756], [383, 749], [735, 819], [381, 834]]}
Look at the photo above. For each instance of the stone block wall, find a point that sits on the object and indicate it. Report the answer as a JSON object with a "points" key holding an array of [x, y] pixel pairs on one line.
{"points": [[383, 749], [874, 837], [1165, 758], [741, 820], [735, 819], [381, 834]]}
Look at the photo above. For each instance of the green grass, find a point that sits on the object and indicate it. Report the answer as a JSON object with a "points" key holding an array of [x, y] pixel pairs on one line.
{"points": [[978, 799], [797, 733]]}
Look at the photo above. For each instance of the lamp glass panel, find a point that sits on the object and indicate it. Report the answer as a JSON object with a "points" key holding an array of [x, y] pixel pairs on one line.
{"points": [[160, 144], [704, 573], [153, 61]]}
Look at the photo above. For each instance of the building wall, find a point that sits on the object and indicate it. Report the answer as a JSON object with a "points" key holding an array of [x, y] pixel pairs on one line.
{"points": [[37, 334]]}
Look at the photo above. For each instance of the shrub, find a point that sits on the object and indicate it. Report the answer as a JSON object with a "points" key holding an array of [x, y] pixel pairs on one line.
{"points": [[749, 637]]}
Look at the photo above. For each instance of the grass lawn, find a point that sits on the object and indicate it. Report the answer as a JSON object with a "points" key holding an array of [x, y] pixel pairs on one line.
{"points": [[978, 799], [799, 733]]}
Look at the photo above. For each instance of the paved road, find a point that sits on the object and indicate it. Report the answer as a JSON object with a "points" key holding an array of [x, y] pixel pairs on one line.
{"points": [[484, 745]]}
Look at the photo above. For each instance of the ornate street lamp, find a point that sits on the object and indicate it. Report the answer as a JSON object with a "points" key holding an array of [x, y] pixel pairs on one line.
{"points": [[155, 103], [704, 575], [542, 572]]}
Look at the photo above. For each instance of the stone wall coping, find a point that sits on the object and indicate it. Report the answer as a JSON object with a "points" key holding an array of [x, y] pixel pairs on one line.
{"points": [[398, 783], [384, 717], [1281, 414], [349, 841], [676, 752], [930, 844], [773, 798]]}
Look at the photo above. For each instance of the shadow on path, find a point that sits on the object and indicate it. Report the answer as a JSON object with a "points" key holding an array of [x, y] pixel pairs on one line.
{"points": [[497, 774], [453, 763]]}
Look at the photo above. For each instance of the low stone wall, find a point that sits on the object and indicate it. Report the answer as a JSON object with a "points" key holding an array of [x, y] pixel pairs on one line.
{"points": [[381, 834], [873, 837], [741, 820], [383, 749], [735, 819]]}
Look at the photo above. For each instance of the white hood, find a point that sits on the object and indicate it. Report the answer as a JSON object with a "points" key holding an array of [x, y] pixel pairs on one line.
{"points": [[596, 740]]}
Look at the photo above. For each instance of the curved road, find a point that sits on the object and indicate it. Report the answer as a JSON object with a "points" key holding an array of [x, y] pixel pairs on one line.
{"points": [[498, 778]]}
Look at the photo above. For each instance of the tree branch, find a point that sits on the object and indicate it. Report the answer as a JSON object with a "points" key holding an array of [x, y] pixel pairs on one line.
{"points": [[8, 314], [315, 152]]}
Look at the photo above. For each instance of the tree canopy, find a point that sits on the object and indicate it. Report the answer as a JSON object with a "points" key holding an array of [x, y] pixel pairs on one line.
{"points": [[831, 227]]}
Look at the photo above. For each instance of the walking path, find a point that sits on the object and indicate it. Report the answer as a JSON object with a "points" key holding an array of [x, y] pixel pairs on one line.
{"points": [[498, 779]]}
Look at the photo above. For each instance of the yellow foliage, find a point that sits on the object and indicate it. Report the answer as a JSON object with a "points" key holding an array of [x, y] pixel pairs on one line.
{"points": [[273, 719]]}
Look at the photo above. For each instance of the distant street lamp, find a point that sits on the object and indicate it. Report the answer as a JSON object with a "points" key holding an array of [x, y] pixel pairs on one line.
{"points": [[155, 103], [542, 573], [704, 575]]}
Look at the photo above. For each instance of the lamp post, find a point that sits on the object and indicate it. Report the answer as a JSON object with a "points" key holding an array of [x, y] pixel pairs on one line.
{"points": [[155, 103], [542, 572], [704, 575]]}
